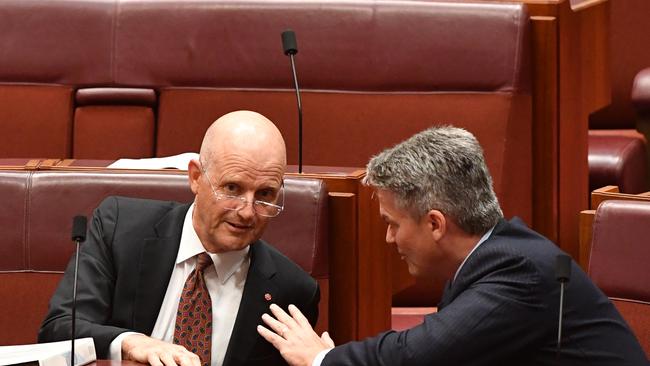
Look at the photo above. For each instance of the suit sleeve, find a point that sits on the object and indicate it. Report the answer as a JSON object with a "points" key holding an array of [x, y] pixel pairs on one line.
{"points": [[95, 287], [489, 322], [310, 307]]}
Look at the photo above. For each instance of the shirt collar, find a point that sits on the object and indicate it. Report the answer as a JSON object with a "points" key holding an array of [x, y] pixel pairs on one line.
{"points": [[225, 263], [483, 239]]}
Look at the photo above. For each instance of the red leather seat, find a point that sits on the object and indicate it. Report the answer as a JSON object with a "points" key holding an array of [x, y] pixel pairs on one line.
{"points": [[618, 157], [620, 253], [35, 225]]}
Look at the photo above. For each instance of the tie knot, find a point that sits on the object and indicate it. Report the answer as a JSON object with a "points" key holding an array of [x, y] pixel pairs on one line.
{"points": [[203, 260]]}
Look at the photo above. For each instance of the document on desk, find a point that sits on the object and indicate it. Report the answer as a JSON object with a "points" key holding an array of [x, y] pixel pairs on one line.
{"points": [[179, 162], [49, 354]]}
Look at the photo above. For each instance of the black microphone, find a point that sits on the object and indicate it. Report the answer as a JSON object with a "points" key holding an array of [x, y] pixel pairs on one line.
{"points": [[562, 274], [78, 235], [290, 47]]}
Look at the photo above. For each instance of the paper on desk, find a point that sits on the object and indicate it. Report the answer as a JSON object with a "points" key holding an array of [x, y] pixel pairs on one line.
{"points": [[49, 354], [179, 161]]}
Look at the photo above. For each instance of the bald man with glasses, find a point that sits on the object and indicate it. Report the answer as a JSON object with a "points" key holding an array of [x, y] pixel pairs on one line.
{"points": [[185, 284]]}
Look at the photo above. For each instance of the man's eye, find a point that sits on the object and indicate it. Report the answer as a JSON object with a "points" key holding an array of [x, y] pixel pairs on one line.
{"points": [[266, 195], [231, 188]]}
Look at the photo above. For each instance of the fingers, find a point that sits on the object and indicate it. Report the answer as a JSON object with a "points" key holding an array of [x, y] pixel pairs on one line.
{"points": [[325, 337], [277, 326], [271, 337], [155, 352], [154, 360], [298, 317], [167, 359], [184, 357], [282, 316]]}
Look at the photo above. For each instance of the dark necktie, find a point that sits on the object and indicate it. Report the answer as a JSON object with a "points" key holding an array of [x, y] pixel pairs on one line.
{"points": [[193, 328]]}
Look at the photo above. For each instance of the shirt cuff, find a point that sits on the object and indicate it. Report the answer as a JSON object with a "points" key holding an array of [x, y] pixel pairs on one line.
{"points": [[115, 348], [319, 357]]}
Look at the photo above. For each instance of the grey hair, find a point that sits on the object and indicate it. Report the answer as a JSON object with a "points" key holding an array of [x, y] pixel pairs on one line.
{"points": [[439, 168]]}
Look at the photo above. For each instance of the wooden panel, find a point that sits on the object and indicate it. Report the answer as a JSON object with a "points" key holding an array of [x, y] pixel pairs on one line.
{"points": [[343, 306], [545, 126], [570, 81], [581, 92], [586, 231], [373, 267]]}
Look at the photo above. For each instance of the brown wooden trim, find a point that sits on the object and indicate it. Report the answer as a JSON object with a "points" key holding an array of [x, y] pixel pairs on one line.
{"points": [[586, 234]]}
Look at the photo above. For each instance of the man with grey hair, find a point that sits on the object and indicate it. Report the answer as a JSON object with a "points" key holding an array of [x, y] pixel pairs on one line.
{"points": [[500, 306]]}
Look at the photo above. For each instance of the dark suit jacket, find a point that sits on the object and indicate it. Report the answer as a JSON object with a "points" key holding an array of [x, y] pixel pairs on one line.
{"points": [[502, 309], [125, 266]]}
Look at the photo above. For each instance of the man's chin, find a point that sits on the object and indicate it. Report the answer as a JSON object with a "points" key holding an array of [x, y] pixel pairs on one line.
{"points": [[229, 245], [413, 271]]}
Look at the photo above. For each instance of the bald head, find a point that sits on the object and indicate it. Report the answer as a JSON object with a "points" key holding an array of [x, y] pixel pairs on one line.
{"points": [[243, 132], [242, 155]]}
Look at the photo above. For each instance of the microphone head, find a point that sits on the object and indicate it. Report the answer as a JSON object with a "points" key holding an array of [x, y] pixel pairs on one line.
{"points": [[289, 43], [79, 228], [563, 268]]}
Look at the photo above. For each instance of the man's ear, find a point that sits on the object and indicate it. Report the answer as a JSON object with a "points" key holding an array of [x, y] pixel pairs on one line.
{"points": [[438, 224], [194, 174]]}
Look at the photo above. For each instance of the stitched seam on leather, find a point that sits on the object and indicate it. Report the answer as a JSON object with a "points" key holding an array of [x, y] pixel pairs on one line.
{"points": [[595, 230], [114, 24], [316, 232], [26, 224], [517, 64]]}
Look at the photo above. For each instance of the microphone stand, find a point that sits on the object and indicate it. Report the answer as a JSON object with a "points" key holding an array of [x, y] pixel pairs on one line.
{"points": [[559, 324], [290, 48], [562, 274], [74, 301], [79, 224], [295, 82]]}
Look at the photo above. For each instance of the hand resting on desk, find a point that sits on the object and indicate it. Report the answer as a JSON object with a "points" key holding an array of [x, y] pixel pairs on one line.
{"points": [[143, 349]]}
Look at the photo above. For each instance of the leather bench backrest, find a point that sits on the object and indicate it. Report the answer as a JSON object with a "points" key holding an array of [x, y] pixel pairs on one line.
{"points": [[619, 250], [369, 81], [35, 246], [619, 261]]}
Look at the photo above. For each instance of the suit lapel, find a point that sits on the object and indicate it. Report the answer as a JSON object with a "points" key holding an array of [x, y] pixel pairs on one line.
{"points": [[253, 305], [467, 273], [156, 266]]}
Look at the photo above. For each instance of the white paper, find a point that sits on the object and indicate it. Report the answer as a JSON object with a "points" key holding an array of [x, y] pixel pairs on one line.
{"points": [[179, 161], [49, 354]]}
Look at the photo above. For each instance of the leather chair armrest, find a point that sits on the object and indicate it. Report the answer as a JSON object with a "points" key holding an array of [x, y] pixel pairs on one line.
{"points": [[641, 91]]}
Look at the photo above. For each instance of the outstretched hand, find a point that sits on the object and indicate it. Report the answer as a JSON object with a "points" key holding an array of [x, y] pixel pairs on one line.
{"points": [[293, 336], [143, 349]]}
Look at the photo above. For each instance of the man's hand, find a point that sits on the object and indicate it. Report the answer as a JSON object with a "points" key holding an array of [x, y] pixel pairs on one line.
{"points": [[143, 349], [293, 336]]}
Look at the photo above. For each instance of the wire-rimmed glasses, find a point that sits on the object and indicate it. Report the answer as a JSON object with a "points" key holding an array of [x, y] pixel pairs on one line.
{"points": [[236, 203]]}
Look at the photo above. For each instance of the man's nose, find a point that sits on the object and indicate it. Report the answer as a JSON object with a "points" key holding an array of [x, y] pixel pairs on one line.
{"points": [[248, 211]]}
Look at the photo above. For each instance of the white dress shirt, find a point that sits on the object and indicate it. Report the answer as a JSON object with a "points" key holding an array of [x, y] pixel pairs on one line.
{"points": [[225, 281]]}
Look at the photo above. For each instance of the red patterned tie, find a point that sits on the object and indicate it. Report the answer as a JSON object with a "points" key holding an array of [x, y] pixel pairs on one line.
{"points": [[194, 317]]}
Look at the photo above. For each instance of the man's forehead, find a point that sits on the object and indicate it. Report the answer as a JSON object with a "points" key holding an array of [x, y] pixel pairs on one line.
{"points": [[387, 206]]}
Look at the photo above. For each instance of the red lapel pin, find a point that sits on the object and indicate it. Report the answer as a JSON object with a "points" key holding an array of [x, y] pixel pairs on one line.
{"points": [[267, 296]]}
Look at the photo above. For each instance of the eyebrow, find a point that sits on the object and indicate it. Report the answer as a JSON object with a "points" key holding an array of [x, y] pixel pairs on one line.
{"points": [[263, 186]]}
